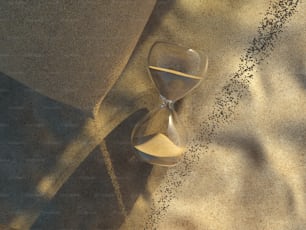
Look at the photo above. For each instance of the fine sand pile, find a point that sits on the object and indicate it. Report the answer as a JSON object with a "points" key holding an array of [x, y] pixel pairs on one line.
{"points": [[159, 145]]}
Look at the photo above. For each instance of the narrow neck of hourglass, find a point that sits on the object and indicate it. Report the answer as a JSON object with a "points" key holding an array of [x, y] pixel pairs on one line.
{"points": [[167, 103]]}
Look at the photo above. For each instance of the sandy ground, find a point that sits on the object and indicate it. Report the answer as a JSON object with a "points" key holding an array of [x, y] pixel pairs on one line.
{"points": [[245, 164]]}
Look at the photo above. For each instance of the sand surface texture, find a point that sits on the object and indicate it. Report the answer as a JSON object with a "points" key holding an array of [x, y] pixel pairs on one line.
{"points": [[244, 167]]}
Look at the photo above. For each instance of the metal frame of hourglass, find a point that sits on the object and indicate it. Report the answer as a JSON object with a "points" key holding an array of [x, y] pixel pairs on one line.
{"points": [[160, 138]]}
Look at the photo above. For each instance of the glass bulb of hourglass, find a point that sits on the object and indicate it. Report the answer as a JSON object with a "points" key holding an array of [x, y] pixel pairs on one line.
{"points": [[160, 138], [175, 70]]}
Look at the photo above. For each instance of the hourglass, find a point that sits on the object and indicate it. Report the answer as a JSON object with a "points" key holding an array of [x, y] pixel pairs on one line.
{"points": [[160, 138]]}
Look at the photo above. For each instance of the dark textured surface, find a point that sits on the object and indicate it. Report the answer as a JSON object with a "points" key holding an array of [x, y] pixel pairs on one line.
{"points": [[88, 199], [34, 130]]}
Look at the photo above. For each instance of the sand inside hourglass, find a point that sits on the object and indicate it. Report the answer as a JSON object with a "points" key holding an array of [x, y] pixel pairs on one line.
{"points": [[173, 84], [159, 145]]}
